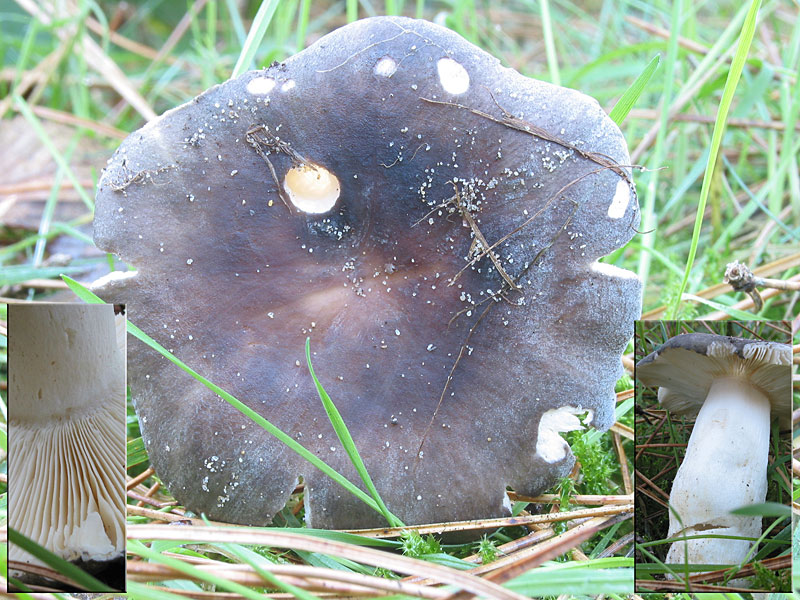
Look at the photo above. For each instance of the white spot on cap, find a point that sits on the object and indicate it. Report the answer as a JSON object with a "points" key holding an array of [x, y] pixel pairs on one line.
{"points": [[289, 85], [453, 77], [619, 205], [312, 189], [260, 85], [385, 67]]}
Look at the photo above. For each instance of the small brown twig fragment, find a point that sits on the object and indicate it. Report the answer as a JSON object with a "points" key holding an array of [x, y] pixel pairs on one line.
{"points": [[742, 279], [651, 484], [260, 134], [623, 463], [482, 248], [133, 482], [513, 122], [142, 500]]}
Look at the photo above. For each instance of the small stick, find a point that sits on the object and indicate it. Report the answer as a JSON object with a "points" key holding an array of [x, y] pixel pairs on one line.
{"points": [[742, 279], [132, 483]]}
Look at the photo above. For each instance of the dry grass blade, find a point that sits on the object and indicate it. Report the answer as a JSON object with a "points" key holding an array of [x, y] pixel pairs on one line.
{"points": [[690, 45], [622, 430], [650, 114], [623, 461], [37, 76], [170, 517], [40, 571], [40, 185], [520, 553], [514, 546], [123, 42], [217, 595], [677, 586], [582, 499], [59, 116], [310, 578], [437, 528], [524, 561], [698, 582], [276, 538], [96, 58], [773, 564]]}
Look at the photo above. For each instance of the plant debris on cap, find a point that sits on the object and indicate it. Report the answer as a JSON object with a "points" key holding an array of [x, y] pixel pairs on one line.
{"points": [[686, 365], [431, 219]]}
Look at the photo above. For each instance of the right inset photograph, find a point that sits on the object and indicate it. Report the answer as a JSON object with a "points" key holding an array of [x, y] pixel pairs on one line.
{"points": [[713, 456]]}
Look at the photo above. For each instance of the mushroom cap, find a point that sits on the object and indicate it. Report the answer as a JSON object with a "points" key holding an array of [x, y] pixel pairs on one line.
{"points": [[686, 365], [440, 369], [67, 426]]}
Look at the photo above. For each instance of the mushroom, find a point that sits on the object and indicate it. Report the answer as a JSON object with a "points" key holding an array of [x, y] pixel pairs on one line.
{"points": [[735, 387], [430, 219], [66, 417]]}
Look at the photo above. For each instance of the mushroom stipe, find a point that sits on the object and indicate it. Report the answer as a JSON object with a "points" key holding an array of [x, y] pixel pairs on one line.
{"points": [[452, 291]]}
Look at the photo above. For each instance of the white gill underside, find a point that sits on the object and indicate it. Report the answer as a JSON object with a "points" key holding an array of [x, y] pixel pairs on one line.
{"points": [[72, 500]]}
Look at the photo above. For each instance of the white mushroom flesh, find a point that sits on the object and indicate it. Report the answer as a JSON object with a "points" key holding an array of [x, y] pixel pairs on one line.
{"points": [[550, 446], [311, 189]]}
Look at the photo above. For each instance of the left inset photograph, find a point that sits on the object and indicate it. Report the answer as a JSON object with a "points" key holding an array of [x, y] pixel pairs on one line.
{"points": [[66, 447]]}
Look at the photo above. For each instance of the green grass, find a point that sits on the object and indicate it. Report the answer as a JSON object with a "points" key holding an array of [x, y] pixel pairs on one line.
{"points": [[724, 188]]}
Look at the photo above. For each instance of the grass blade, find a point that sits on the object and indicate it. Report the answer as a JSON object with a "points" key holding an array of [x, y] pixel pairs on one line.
{"points": [[649, 220], [78, 575], [139, 549], [136, 454], [631, 95], [549, 46], [733, 312], [62, 163], [255, 36], [87, 296], [347, 441], [735, 72]]}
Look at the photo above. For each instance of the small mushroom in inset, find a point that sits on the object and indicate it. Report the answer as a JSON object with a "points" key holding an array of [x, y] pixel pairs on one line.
{"points": [[736, 387], [430, 219], [66, 434]]}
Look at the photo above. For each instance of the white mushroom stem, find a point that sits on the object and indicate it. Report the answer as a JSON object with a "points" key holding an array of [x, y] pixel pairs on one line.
{"points": [[725, 468]]}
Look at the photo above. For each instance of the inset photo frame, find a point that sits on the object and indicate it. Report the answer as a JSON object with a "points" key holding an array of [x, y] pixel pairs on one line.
{"points": [[713, 456], [66, 447]]}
